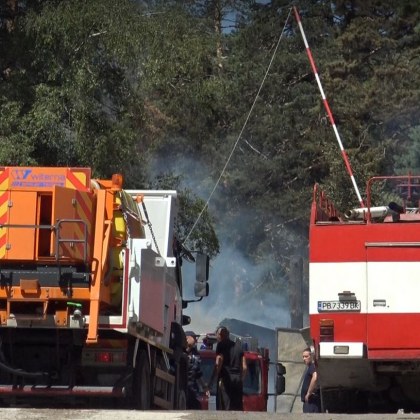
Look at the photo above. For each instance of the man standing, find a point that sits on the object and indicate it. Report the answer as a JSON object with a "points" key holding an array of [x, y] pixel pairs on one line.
{"points": [[230, 370], [310, 391], [195, 375]]}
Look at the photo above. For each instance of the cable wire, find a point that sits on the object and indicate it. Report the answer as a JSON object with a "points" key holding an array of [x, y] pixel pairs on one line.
{"points": [[242, 130]]}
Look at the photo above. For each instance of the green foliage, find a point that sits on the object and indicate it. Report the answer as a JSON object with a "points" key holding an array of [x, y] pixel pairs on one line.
{"points": [[195, 226], [410, 160], [73, 86], [15, 145]]}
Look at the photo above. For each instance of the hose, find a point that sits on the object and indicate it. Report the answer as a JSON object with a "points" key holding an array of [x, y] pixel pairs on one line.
{"points": [[23, 373]]}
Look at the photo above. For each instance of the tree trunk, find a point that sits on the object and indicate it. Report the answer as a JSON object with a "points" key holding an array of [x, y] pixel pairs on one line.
{"points": [[218, 30]]}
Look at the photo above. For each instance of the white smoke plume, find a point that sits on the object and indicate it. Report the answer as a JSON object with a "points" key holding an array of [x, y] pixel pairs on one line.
{"points": [[235, 293]]}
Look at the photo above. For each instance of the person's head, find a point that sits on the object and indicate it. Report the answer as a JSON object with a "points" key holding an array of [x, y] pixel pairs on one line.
{"points": [[307, 356], [191, 337], [222, 333], [191, 342]]}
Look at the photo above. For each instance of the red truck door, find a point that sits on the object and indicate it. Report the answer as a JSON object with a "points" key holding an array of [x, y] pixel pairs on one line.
{"points": [[393, 283]]}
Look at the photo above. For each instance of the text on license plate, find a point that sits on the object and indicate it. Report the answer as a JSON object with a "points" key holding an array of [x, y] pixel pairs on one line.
{"points": [[338, 305]]}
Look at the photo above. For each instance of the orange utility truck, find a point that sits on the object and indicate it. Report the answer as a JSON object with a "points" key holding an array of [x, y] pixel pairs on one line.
{"points": [[91, 289]]}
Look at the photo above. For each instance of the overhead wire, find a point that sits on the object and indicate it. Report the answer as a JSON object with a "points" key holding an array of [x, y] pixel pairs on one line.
{"points": [[242, 130]]}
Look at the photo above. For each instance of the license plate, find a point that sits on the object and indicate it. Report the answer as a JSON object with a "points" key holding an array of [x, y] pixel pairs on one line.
{"points": [[339, 305]]}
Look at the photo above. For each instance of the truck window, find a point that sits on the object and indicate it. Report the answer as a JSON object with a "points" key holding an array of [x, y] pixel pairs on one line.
{"points": [[207, 366], [252, 383]]}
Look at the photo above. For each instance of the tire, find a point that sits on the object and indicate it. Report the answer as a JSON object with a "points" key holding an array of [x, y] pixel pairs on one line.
{"points": [[142, 383], [180, 401], [347, 401]]}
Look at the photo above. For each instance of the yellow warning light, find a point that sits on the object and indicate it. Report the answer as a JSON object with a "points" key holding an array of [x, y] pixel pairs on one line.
{"points": [[117, 182]]}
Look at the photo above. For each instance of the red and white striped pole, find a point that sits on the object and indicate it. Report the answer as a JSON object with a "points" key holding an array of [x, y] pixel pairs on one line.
{"points": [[327, 108]]}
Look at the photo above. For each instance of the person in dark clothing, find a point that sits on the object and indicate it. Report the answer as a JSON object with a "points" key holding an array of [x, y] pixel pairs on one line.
{"points": [[194, 374], [230, 370], [310, 390]]}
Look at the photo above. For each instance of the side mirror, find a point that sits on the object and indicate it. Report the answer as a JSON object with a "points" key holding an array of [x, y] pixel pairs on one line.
{"points": [[202, 263], [201, 287], [281, 370], [280, 379], [186, 320]]}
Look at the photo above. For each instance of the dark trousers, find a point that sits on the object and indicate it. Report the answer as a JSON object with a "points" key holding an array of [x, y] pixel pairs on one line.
{"points": [[229, 393], [192, 400], [313, 405]]}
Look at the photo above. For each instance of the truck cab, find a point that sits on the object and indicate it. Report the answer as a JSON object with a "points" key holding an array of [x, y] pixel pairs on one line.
{"points": [[255, 387]]}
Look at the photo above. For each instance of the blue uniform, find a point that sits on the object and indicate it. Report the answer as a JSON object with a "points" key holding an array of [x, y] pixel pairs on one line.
{"points": [[314, 402], [194, 374]]}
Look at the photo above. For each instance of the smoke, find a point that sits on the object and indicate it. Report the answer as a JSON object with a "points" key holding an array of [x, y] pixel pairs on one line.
{"points": [[237, 290]]}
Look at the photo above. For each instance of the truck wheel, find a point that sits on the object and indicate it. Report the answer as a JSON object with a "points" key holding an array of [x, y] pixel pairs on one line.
{"points": [[181, 386], [142, 395], [181, 403]]}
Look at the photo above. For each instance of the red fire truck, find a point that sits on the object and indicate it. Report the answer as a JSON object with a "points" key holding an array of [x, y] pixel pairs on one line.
{"points": [[256, 381], [364, 307]]}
